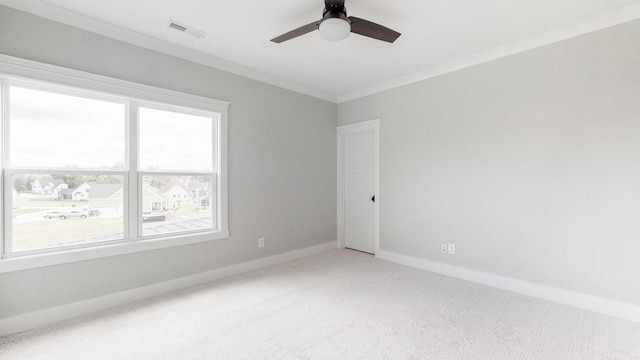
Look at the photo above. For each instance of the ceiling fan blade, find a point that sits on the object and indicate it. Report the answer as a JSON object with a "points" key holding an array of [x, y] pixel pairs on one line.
{"points": [[372, 30], [297, 32], [334, 6]]}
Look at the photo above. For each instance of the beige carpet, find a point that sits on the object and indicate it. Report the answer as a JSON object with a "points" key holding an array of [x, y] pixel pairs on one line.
{"points": [[337, 305]]}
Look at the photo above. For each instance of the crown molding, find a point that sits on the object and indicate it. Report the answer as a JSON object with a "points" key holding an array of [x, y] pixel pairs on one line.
{"points": [[576, 29], [71, 18], [61, 15]]}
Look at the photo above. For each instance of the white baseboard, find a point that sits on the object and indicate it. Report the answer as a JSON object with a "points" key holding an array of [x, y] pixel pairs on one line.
{"points": [[56, 314], [579, 300]]}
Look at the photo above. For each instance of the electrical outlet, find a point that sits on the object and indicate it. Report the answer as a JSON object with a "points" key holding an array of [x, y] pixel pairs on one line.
{"points": [[444, 248], [452, 249], [261, 242]]}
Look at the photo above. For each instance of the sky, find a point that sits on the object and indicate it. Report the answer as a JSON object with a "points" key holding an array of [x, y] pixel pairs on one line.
{"points": [[54, 130], [174, 141]]}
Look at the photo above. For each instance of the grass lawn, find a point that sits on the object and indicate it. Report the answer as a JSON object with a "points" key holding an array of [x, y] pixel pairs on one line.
{"points": [[39, 234], [190, 210], [29, 204]]}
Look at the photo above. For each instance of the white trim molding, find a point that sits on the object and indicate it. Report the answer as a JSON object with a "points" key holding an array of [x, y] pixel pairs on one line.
{"points": [[358, 128], [62, 15], [29, 69], [609, 19], [575, 299], [56, 314]]}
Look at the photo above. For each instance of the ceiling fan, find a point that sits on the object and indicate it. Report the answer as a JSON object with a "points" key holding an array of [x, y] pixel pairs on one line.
{"points": [[335, 25]]}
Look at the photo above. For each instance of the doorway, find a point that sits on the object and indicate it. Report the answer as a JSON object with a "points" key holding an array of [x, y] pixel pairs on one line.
{"points": [[358, 186]]}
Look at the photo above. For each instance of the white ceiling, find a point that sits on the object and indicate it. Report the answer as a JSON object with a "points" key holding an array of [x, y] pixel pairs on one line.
{"points": [[438, 36]]}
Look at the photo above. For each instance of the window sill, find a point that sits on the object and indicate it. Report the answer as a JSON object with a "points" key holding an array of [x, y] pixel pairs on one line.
{"points": [[97, 252]]}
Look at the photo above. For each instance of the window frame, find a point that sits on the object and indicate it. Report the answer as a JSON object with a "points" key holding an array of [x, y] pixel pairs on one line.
{"points": [[21, 71]]}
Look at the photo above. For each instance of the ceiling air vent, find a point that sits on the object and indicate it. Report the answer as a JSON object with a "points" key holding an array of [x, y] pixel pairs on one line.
{"points": [[186, 29]]}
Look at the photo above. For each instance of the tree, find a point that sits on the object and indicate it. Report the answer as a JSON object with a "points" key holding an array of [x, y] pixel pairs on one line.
{"points": [[73, 181], [22, 183], [157, 181]]}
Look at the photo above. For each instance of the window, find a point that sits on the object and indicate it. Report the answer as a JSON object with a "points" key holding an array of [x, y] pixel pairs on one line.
{"points": [[84, 167], [56, 142]]}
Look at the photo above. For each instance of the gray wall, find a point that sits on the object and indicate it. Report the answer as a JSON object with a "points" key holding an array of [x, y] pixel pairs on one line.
{"points": [[282, 151], [529, 164]]}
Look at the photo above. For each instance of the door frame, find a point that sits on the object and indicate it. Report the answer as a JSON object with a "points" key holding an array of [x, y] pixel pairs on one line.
{"points": [[352, 129]]}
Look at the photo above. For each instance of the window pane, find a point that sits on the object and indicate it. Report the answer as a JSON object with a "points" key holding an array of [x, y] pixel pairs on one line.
{"points": [[177, 203], [175, 141], [56, 210], [69, 131]]}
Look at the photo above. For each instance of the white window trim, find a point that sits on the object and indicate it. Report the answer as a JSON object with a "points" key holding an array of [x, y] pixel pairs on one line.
{"points": [[12, 67]]}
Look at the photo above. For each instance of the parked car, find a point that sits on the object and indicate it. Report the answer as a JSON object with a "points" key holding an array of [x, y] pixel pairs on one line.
{"points": [[64, 214], [52, 214]]}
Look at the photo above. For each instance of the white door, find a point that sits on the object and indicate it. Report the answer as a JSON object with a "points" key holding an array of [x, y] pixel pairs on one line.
{"points": [[358, 165]]}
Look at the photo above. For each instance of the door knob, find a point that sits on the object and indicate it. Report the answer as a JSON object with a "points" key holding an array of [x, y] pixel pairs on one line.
{"points": [[373, 198]]}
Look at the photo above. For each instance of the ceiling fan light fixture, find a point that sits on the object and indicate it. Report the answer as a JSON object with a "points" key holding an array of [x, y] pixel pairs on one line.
{"points": [[335, 25], [335, 29]]}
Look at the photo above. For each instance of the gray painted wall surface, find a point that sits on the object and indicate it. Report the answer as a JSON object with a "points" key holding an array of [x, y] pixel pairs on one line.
{"points": [[282, 156], [529, 164]]}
